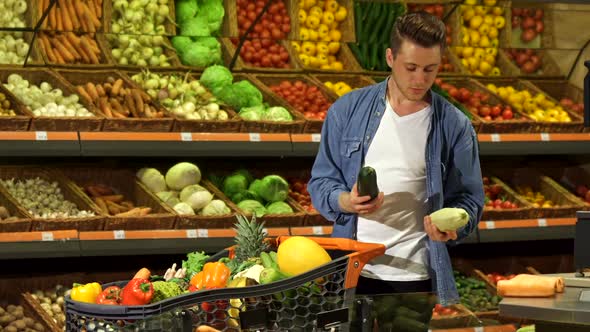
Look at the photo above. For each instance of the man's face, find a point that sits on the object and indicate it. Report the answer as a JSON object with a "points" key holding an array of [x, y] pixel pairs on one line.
{"points": [[414, 68]]}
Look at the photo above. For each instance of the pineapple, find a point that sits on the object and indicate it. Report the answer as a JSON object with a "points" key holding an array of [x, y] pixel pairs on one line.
{"points": [[249, 239]]}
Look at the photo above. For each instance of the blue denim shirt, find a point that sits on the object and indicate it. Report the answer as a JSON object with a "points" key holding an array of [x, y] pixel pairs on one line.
{"points": [[452, 169]]}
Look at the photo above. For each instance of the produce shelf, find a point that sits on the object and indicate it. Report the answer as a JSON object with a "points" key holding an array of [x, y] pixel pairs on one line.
{"points": [[183, 144], [39, 143], [526, 230]]}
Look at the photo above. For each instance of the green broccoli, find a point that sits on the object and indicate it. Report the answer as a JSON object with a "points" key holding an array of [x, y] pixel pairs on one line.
{"points": [[164, 290]]}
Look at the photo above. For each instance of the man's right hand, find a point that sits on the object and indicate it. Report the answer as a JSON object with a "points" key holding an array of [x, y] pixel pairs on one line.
{"points": [[351, 202]]}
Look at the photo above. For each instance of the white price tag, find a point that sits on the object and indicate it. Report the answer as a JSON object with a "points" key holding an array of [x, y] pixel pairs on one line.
{"points": [[490, 225], [191, 233], [316, 138], [41, 135], [119, 234], [186, 137], [46, 236], [545, 137], [478, 329], [542, 222], [318, 230], [265, 230], [202, 232], [254, 137], [495, 137]]}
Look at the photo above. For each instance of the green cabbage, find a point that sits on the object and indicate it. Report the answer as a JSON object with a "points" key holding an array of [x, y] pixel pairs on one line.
{"points": [[253, 207], [241, 94], [181, 175], [186, 9], [274, 188], [215, 78], [234, 183], [215, 208], [244, 195], [277, 113], [278, 208], [256, 187], [198, 55], [181, 44], [254, 113], [152, 178], [213, 12], [194, 26]]}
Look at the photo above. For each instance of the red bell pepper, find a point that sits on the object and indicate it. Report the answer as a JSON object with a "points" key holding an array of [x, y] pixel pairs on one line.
{"points": [[110, 295], [138, 291]]}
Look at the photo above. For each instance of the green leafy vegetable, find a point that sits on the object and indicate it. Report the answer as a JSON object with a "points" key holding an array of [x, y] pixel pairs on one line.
{"points": [[194, 263]]}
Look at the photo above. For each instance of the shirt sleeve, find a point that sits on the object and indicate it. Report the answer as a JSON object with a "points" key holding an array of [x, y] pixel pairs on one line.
{"points": [[464, 185], [327, 181]]}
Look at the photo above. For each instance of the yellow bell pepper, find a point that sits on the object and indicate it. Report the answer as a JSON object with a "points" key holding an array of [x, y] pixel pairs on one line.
{"points": [[86, 293]]}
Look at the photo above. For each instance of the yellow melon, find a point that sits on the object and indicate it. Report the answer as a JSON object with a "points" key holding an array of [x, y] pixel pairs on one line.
{"points": [[299, 254]]}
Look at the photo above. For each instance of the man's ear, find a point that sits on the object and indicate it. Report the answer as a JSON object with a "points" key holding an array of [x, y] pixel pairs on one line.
{"points": [[389, 57]]}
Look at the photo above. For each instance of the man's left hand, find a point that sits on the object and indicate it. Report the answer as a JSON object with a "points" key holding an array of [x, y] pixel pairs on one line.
{"points": [[435, 234]]}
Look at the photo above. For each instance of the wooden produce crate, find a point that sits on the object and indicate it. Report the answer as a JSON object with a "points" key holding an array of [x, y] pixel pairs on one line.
{"points": [[123, 182], [564, 204], [70, 193], [520, 125], [522, 212], [455, 20], [294, 219], [574, 126], [560, 89], [22, 223], [265, 126], [231, 125], [548, 68], [78, 42], [110, 15], [38, 75], [77, 78], [573, 178], [462, 318], [344, 55], [34, 58], [354, 81], [545, 39], [266, 81], [22, 118], [242, 65], [346, 27]]}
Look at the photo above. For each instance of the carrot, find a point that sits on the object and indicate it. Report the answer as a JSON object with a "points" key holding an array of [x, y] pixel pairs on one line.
{"points": [[92, 90], [115, 208], [101, 204], [113, 198], [47, 47], [41, 10], [65, 16], [100, 90], [148, 111], [69, 46], [131, 105], [128, 204], [82, 92], [104, 107], [117, 86], [91, 20], [117, 106], [143, 273], [73, 15], [205, 328], [59, 58], [118, 115], [145, 211], [135, 212], [98, 8], [58, 19], [92, 191], [67, 55], [138, 100], [92, 55], [51, 17]]}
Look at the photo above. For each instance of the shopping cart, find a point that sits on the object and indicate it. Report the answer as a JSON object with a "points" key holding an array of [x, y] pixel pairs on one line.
{"points": [[317, 300]]}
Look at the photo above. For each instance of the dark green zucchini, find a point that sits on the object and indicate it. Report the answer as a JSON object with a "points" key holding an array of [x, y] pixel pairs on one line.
{"points": [[367, 182]]}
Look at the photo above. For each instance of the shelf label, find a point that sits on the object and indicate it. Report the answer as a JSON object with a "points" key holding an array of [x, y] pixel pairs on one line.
{"points": [[201, 232], [490, 225], [119, 234], [478, 329], [41, 135], [495, 137], [316, 138], [545, 137], [265, 230], [186, 137], [254, 137], [191, 233], [318, 230], [542, 222], [47, 236]]}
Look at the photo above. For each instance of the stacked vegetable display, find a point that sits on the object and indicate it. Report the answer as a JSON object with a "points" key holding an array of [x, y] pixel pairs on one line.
{"points": [[185, 98], [199, 22], [70, 27], [474, 294], [180, 189], [45, 100], [138, 32], [319, 34], [263, 47], [265, 195], [13, 48], [306, 98]]}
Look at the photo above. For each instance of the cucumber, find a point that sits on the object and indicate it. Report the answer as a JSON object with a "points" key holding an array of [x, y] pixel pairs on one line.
{"points": [[270, 274], [367, 182]]}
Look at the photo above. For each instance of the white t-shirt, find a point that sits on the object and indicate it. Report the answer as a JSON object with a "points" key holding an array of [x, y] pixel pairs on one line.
{"points": [[397, 153]]}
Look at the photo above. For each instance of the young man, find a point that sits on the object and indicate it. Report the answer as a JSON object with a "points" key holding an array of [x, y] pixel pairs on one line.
{"points": [[425, 153]]}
